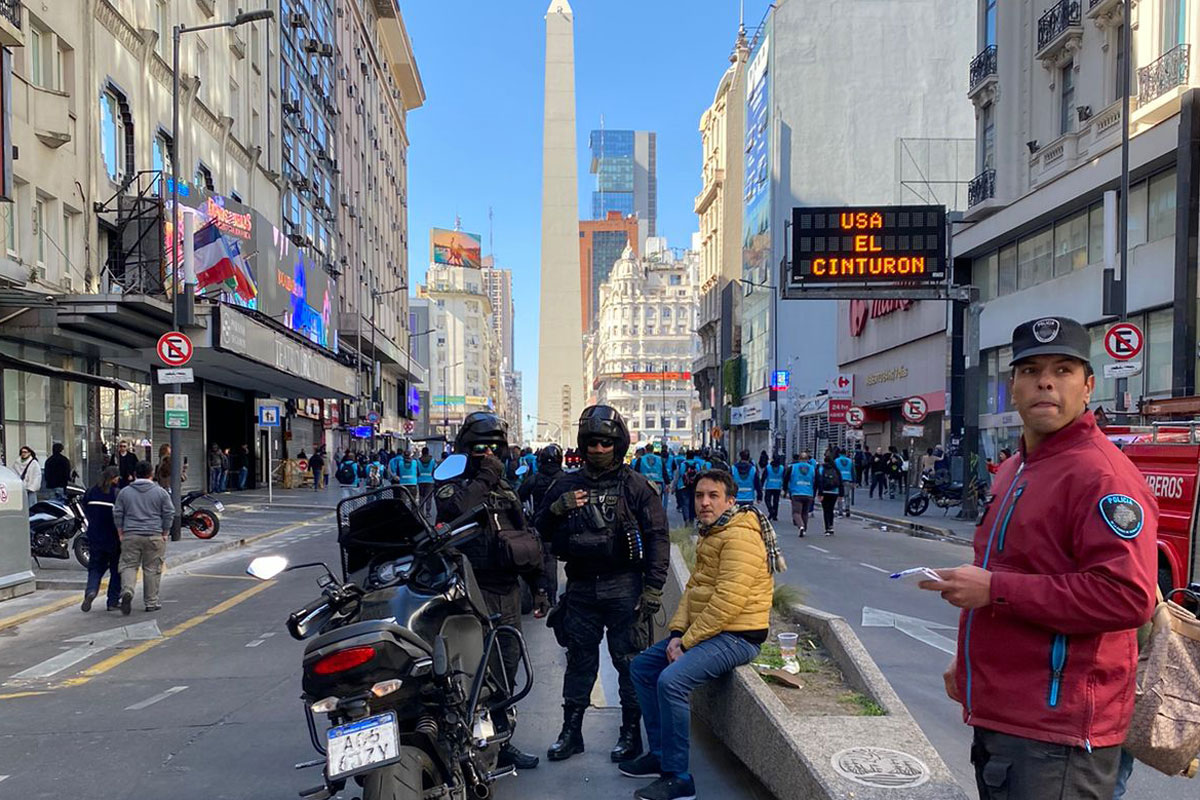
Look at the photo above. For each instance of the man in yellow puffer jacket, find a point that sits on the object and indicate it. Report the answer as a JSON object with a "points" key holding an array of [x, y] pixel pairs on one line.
{"points": [[721, 621]]}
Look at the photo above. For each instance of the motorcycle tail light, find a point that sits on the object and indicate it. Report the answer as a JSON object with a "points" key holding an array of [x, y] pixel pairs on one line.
{"points": [[343, 660], [386, 687], [326, 706]]}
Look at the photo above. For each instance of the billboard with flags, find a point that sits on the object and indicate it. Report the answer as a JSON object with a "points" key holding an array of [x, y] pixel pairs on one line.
{"points": [[220, 266]]}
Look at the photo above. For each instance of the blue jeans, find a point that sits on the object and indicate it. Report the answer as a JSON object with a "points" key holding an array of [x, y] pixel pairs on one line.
{"points": [[1123, 773], [664, 690], [100, 562], [214, 479], [242, 474]]}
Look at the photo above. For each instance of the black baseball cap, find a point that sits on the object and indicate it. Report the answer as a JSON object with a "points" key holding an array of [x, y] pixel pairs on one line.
{"points": [[1051, 336]]}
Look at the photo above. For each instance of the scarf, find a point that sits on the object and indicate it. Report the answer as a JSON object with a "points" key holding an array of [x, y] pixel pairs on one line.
{"points": [[775, 560]]}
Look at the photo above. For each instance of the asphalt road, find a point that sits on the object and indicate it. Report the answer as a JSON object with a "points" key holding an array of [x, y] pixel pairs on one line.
{"points": [[844, 573], [202, 699]]}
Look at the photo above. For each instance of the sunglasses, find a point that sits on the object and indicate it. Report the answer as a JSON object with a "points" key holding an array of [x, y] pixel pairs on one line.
{"points": [[480, 449], [602, 442]]}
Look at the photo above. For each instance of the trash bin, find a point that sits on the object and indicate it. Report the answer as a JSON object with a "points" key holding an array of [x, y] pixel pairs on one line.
{"points": [[16, 577]]}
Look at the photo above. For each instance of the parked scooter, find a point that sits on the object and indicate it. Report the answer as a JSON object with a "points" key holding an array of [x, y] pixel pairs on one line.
{"points": [[58, 528], [944, 493], [404, 662]]}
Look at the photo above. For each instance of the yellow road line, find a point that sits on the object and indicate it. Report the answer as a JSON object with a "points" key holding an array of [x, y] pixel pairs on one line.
{"points": [[15, 695], [120, 658], [25, 616]]}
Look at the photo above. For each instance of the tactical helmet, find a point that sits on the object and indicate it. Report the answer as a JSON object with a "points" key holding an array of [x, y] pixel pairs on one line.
{"points": [[482, 427], [603, 422], [548, 455]]}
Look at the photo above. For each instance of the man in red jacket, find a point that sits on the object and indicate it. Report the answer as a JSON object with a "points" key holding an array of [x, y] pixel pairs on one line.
{"points": [[1063, 576]]}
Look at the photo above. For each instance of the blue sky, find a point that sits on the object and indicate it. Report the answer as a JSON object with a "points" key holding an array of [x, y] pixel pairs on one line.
{"points": [[477, 140]]}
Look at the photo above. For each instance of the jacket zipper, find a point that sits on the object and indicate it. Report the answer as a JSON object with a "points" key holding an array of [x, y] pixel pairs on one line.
{"points": [[1058, 659], [1008, 517], [986, 557]]}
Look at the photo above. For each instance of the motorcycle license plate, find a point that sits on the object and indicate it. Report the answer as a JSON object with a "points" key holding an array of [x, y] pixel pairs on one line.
{"points": [[218, 505], [362, 746]]}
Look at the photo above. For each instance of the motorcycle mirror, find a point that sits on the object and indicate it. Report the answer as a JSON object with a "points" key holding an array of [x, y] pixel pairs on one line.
{"points": [[451, 468], [523, 469], [266, 567], [441, 662]]}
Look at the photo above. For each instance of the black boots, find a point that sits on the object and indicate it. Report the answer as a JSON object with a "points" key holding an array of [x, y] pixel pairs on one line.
{"points": [[570, 741], [510, 756], [629, 743]]}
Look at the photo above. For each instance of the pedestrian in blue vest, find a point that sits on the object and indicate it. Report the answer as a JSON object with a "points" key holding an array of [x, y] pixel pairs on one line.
{"points": [[772, 482], [402, 469], [425, 467], [798, 483], [845, 466], [745, 475], [651, 465]]}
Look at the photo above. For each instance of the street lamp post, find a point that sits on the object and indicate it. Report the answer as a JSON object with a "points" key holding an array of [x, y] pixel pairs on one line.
{"points": [[555, 425], [178, 298], [375, 353], [445, 399]]}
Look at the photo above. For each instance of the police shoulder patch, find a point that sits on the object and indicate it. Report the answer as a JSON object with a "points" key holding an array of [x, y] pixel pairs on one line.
{"points": [[1123, 515], [447, 491]]}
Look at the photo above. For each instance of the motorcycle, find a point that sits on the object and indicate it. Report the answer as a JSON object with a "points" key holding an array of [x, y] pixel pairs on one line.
{"points": [[58, 527], [202, 522], [944, 493], [403, 659]]}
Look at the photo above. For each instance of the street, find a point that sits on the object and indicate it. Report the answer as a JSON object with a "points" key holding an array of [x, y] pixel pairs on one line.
{"points": [[200, 700]]}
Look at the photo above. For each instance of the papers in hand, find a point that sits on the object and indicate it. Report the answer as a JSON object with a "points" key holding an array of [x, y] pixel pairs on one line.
{"points": [[916, 574]]}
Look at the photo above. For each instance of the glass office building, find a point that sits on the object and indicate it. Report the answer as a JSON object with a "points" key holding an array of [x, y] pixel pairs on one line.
{"points": [[625, 166]]}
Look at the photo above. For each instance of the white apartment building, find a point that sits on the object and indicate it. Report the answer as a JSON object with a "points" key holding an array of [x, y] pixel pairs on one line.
{"points": [[1046, 92], [641, 354], [719, 209], [464, 357]]}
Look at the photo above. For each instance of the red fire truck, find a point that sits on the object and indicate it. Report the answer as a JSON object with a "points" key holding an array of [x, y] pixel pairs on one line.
{"points": [[1168, 454]]}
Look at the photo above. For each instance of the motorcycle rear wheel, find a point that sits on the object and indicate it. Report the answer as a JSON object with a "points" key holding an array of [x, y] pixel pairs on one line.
{"points": [[80, 548], [917, 505], [203, 523], [410, 777]]}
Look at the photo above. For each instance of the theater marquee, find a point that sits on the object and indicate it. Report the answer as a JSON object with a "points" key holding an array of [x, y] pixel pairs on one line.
{"points": [[868, 245]]}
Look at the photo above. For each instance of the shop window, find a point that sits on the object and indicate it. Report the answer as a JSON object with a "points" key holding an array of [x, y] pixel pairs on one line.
{"points": [[1160, 339], [1161, 207], [1034, 263], [1071, 244], [1105, 387], [1006, 271], [1003, 388], [988, 397]]}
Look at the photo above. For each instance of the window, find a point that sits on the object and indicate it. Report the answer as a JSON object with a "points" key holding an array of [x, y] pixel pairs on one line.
{"points": [[987, 139], [1071, 244], [1096, 233], [203, 176], [161, 158], [1105, 387], [1161, 207], [1174, 19], [39, 230], [1160, 327], [989, 22], [1067, 108], [1137, 215], [1034, 263], [11, 210], [116, 133], [39, 42], [65, 244], [1006, 271], [1119, 60], [983, 275], [1003, 390], [202, 68], [235, 109]]}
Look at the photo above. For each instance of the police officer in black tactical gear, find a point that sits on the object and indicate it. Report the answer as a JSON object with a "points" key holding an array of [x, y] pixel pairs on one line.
{"points": [[507, 550], [549, 469], [608, 524]]}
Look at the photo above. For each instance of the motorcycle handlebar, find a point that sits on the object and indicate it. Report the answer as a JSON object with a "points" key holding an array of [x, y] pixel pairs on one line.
{"points": [[308, 610]]}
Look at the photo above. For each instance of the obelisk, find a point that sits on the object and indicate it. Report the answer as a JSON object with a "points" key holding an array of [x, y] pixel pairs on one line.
{"points": [[560, 345]]}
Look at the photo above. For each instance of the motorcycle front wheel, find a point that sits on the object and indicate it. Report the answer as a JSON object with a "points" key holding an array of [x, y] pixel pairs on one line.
{"points": [[79, 547], [412, 776], [917, 505], [203, 523]]}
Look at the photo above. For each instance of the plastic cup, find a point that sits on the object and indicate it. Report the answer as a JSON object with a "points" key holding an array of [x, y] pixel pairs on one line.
{"points": [[787, 644]]}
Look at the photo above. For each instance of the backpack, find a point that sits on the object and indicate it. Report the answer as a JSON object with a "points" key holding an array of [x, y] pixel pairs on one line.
{"points": [[690, 474], [346, 473], [830, 480]]}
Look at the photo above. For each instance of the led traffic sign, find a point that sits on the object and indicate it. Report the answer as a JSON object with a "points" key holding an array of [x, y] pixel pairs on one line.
{"points": [[868, 244]]}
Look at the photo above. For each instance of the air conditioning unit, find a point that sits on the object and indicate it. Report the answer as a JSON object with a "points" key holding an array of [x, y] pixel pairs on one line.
{"points": [[312, 46], [297, 239], [298, 20], [291, 106], [333, 166], [326, 51], [67, 283], [345, 200]]}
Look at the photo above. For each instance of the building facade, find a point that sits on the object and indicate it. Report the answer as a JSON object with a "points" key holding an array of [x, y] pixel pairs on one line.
{"points": [[601, 243], [806, 144], [644, 344], [625, 164], [719, 209], [1039, 216], [93, 249]]}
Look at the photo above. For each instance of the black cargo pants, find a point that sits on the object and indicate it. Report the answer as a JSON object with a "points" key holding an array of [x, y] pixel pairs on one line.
{"points": [[1013, 768], [594, 607]]}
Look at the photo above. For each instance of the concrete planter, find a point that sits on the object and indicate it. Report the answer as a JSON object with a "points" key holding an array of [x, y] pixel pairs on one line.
{"points": [[821, 757]]}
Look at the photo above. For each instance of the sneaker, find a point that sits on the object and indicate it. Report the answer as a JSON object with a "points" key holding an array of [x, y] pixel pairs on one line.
{"points": [[127, 604], [829, 532], [644, 766], [668, 788], [154, 608], [88, 597]]}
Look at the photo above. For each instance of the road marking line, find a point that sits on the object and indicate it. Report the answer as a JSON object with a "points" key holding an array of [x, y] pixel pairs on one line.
{"points": [[3, 777], [15, 695], [223, 577], [259, 640], [818, 549], [25, 616], [55, 665], [118, 659], [872, 566], [158, 697]]}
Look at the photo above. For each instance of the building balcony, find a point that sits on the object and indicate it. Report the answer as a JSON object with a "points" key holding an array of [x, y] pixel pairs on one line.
{"points": [[981, 196], [237, 43], [1105, 13], [52, 123], [703, 362], [708, 193], [983, 77], [1060, 33], [1161, 84], [11, 34]]}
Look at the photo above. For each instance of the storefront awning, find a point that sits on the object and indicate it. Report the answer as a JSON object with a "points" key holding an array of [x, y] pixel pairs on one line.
{"points": [[34, 368]]}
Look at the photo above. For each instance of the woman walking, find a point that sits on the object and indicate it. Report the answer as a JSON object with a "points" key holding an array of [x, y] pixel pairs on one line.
{"points": [[829, 485], [104, 547], [31, 476]]}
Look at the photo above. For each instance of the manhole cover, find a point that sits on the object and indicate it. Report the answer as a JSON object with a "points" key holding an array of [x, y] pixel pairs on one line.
{"points": [[877, 766]]}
